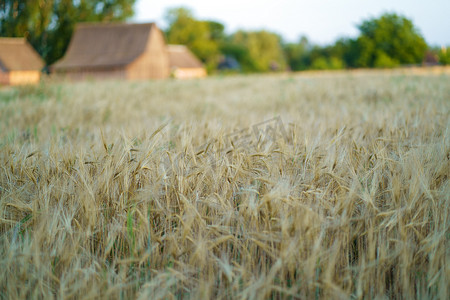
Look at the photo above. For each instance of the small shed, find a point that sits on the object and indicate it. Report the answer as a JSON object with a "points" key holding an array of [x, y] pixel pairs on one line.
{"points": [[115, 50], [184, 64], [19, 62]]}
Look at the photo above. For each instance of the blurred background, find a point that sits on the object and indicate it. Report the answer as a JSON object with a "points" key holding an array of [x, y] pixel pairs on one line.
{"points": [[243, 37]]}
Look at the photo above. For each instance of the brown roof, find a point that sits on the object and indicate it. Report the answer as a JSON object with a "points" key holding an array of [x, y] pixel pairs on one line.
{"points": [[181, 57], [16, 54], [105, 45]]}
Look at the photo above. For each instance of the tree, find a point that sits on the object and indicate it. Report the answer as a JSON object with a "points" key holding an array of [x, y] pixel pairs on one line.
{"points": [[303, 56], [297, 54], [217, 31], [327, 63], [264, 50], [444, 56], [388, 41], [239, 53], [201, 37], [48, 25]]}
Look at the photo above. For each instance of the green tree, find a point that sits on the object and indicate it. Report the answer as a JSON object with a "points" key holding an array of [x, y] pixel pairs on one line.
{"points": [[303, 56], [297, 54], [444, 56], [48, 25], [382, 60], [264, 50], [320, 63], [217, 31], [327, 63], [388, 41], [345, 50], [238, 52], [201, 37]]}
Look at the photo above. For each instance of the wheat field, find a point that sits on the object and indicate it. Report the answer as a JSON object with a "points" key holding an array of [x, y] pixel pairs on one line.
{"points": [[292, 186]]}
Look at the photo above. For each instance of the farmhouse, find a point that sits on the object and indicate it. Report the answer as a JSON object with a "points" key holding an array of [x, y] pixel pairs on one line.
{"points": [[128, 51], [183, 63], [19, 62]]}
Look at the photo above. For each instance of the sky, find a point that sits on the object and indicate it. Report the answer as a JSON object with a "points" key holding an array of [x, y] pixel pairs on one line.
{"points": [[322, 21]]}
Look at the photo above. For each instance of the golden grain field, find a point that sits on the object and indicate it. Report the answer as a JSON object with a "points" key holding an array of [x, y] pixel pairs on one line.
{"points": [[303, 186]]}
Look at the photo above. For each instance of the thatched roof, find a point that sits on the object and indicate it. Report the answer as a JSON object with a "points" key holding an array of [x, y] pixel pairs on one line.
{"points": [[105, 45], [181, 57], [16, 54]]}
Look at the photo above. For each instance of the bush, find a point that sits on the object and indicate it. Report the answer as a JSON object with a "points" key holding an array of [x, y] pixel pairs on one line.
{"points": [[382, 60], [332, 63], [444, 56]]}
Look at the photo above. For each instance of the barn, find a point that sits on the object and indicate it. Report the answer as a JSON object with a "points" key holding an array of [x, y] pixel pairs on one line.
{"points": [[19, 62], [111, 50], [184, 64]]}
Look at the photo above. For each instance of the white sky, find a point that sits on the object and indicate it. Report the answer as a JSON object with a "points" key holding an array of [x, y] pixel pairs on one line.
{"points": [[322, 21]]}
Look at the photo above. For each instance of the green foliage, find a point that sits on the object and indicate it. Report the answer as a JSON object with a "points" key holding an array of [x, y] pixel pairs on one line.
{"points": [[389, 41], [48, 25], [336, 63], [201, 37], [240, 53], [444, 56], [384, 42], [303, 56], [297, 54], [256, 51], [263, 51], [348, 51], [217, 30], [130, 231], [365, 52], [382, 60], [320, 63], [323, 63]]}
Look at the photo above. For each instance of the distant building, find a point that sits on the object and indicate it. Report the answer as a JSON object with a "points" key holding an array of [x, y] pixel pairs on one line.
{"points": [[184, 64], [128, 51], [19, 62]]}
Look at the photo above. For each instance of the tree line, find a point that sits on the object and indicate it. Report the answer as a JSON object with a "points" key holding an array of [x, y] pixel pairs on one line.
{"points": [[390, 40]]}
